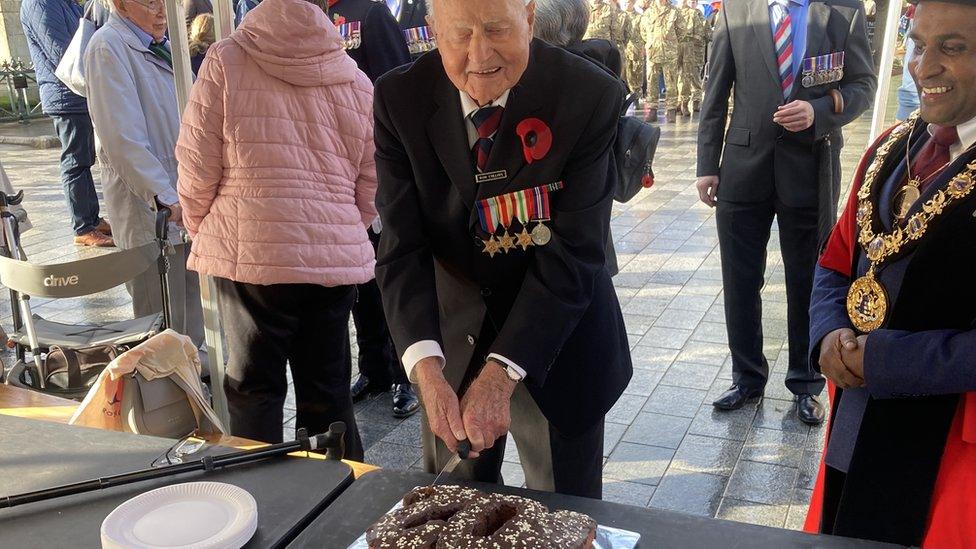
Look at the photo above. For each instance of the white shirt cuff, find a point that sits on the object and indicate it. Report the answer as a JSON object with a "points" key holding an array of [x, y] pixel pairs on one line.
{"points": [[507, 362], [420, 350]]}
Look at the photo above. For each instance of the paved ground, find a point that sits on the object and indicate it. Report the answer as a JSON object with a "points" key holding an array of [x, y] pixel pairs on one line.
{"points": [[665, 445]]}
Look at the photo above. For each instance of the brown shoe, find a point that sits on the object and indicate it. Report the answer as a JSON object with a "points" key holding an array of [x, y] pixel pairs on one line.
{"points": [[103, 227], [95, 239]]}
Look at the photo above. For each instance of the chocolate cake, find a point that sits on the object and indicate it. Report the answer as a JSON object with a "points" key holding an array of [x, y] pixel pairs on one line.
{"points": [[461, 518]]}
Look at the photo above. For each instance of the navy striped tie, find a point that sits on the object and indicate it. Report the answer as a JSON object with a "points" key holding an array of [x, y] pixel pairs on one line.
{"points": [[486, 121], [783, 40]]}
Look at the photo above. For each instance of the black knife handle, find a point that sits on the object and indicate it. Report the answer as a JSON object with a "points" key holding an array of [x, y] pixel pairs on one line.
{"points": [[464, 448]]}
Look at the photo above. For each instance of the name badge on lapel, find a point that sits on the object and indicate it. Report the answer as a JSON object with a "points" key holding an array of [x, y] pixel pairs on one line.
{"points": [[351, 34], [488, 177], [823, 69]]}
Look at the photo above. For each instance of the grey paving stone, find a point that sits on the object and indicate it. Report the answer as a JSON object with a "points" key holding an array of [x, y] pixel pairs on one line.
{"points": [[669, 338], [657, 430], [715, 456], [646, 357], [638, 463], [809, 469], [513, 475], [628, 493], [392, 456], [762, 482], [406, 433], [679, 318], [779, 415], [511, 450], [675, 401], [753, 513], [646, 306], [713, 354], [694, 302], [773, 446], [733, 425], [638, 324], [693, 376], [643, 382], [612, 433], [694, 493], [798, 509], [711, 332], [626, 409]]}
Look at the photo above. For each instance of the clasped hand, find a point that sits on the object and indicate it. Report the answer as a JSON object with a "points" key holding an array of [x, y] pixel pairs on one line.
{"points": [[842, 358], [481, 416]]}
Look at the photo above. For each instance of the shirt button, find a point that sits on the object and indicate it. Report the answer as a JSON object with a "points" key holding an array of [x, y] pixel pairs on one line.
{"points": [[485, 292], [471, 339]]}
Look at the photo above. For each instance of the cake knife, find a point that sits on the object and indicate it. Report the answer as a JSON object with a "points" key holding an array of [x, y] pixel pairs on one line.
{"points": [[464, 448]]}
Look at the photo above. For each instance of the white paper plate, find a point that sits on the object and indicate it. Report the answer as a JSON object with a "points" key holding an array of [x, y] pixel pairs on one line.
{"points": [[193, 515]]}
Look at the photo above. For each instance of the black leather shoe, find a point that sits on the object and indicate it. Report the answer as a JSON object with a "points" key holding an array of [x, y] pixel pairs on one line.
{"points": [[809, 409], [362, 388], [405, 403], [733, 399]]}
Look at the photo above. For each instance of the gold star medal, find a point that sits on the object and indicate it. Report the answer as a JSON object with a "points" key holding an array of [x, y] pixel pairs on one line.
{"points": [[491, 246], [524, 239], [506, 242]]}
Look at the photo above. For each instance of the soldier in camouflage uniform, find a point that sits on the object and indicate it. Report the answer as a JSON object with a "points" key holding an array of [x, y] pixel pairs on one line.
{"points": [[694, 36], [659, 29], [608, 21], [635, 62]]}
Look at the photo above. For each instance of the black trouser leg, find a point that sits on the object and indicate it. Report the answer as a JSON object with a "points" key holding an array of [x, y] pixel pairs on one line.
{"points": [[377, 357], [798, 236], [577, 462], [321, 366], [743, 233], [259, 336]]}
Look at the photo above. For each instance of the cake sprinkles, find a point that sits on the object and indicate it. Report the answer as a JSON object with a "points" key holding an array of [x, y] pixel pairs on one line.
{"points": [[464, 518]]}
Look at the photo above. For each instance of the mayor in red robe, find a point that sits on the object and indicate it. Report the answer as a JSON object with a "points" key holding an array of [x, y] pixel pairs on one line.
{"points": [[893, 313]]}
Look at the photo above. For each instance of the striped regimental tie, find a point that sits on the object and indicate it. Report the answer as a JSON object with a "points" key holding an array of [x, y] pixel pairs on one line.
{"points": [[486, 121], [783, 41]]}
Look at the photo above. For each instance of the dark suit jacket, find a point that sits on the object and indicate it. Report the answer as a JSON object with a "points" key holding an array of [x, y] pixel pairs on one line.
{"points": [[413, 13], [759, 156], [383, 45], [552, 310]]}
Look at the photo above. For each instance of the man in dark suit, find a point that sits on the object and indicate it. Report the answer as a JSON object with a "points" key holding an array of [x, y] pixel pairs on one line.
{"points": [[801, 70], [495, 191], [375, 42]]}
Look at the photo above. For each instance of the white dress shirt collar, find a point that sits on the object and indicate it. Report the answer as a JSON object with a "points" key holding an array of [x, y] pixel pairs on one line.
{"points": [[469, 105], [967, 138]]}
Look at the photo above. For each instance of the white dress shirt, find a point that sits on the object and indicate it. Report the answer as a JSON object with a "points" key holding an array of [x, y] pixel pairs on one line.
{"points": [[967, 137], [428, 348]]}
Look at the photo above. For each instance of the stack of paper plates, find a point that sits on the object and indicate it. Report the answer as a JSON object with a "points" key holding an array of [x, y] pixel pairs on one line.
{"points": [[194, 515]]}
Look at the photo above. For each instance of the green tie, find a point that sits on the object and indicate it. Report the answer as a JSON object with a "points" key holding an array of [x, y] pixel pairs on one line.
{"points": [[160, 51]]}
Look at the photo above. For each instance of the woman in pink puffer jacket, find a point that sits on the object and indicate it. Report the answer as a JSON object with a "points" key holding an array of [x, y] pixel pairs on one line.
{"points": [[276, 181]]}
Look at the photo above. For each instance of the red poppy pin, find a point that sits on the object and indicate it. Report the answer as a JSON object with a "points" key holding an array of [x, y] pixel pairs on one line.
{"points": [[536, 139], [339, 20]]}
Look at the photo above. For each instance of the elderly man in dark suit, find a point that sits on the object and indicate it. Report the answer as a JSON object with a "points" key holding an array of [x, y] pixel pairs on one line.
{"points": [[495, 193], [801, 70]]}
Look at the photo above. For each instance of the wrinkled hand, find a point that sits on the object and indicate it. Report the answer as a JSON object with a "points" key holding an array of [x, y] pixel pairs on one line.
{"points": [[440, 403], [707, 187], [836, 349], [795, 116], [176, 214], [485, 407]]}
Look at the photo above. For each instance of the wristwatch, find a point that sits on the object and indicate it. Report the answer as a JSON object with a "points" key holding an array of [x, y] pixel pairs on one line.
{"points": [[512, 373]]}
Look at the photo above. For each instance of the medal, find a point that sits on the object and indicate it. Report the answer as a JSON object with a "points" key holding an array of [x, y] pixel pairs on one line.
{"points": [[807, 81], [491, 246], [905, 199], [867, 303], [541, 235], [506, 242], [524, 239]]}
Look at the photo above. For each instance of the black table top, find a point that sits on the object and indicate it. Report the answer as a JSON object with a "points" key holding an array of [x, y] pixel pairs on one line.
{"points": [[289, 491], [375, 493]]}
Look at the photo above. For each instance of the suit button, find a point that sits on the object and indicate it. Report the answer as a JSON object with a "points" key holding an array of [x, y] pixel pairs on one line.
{"points": [[471, 339], [486, 292]]}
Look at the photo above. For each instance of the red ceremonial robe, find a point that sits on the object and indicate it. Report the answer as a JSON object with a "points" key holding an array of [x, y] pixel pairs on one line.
{"points": [[952, 516]]}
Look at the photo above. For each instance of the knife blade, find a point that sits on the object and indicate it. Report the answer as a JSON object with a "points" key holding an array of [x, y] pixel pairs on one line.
{"points": [[464, 448]]}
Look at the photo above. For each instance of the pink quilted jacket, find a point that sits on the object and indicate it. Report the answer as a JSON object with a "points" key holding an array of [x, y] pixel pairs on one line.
{"points": [[276, 170]]}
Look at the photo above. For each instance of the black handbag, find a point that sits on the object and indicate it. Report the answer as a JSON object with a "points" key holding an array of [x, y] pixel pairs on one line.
{"points": [[634, 151], [70, 373]]}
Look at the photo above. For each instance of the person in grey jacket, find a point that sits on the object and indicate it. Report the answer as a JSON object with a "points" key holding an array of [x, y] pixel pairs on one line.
{"points": [[132, 99], [49, 26]]}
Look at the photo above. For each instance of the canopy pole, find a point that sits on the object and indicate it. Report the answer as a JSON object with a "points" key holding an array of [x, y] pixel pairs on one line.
{"points": [[884, 74]]}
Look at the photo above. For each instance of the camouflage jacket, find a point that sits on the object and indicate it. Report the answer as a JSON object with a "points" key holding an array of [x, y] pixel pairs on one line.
{"points": [[659, 28], [609, 22], [693, 31], [634, 48]]}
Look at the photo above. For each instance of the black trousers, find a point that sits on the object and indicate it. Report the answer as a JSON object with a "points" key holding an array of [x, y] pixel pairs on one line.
{"points": [[743, 233], [305, 326], [377, 357]]}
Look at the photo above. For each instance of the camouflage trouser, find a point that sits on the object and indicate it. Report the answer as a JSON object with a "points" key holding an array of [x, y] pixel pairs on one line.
{"points": [[670, 72], [689, 75], [635, 72]]}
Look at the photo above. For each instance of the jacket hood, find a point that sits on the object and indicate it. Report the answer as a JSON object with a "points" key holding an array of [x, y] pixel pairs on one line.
{"points": [[293, 40]]}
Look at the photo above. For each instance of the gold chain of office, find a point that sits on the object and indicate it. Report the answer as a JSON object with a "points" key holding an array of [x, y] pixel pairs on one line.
{"points": [[867, 300]]}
